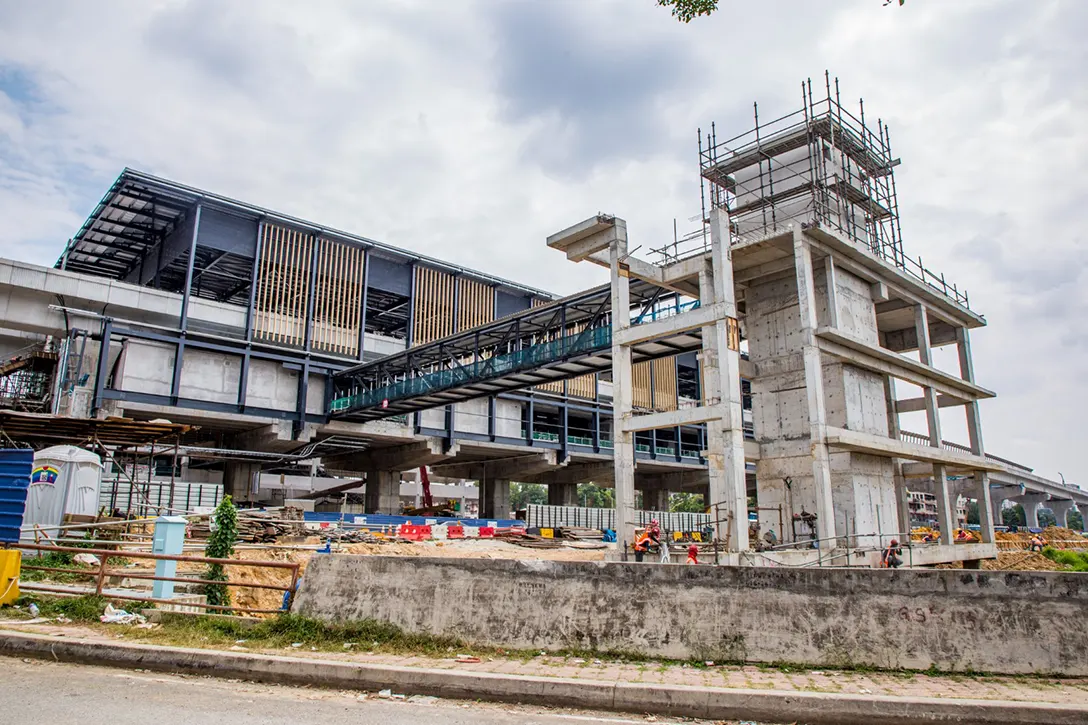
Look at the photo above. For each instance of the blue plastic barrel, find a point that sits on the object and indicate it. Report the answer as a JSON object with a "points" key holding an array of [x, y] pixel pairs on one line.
{"points": [[15, 467]]}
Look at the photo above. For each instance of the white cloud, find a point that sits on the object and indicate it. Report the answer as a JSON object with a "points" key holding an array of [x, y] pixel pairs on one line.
{"points": [[454, 130]]}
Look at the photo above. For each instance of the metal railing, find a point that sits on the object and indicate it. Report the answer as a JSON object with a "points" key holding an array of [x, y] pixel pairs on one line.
{"points": [[104, 571]]}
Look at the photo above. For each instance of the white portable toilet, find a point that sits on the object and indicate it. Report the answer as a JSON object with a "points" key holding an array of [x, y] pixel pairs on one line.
{"points": [[65, 480]]}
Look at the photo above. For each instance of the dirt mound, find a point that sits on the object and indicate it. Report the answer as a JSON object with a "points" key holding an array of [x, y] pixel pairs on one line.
{"points": [[1056, 536], [1013, 561]]}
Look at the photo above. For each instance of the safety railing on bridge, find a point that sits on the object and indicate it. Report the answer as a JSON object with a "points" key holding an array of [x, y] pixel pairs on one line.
{"points": [[527, 358]]}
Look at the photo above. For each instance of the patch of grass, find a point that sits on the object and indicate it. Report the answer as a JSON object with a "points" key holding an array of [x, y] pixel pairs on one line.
{"points": [[58, 559], [1071, 560], [82, 609]]}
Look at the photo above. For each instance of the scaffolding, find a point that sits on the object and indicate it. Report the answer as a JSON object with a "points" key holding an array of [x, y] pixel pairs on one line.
{"points": [[27, 379], [819, 166]]}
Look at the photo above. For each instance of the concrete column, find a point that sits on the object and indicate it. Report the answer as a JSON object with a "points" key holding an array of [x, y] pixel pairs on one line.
{"points": [[946, 513], [382, 494], [1061, 510], [997, 505], [495, 499], [974, 433], [238, 477], [655, 499], [563, 494], [721, 375], [902, 496], [814, 386], [623, 441], [1031, 503], [998, 496]]}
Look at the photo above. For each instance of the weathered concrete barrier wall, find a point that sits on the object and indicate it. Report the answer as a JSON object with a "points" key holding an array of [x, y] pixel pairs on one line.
{"points": [[1006, 622]]}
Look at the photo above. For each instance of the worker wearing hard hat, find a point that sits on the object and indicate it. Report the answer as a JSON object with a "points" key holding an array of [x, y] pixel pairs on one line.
{"points": [[642, 544]]}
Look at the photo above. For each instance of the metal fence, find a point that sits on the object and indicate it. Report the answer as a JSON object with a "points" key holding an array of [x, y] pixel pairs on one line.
{"points": [[551, 517], [147, 498], [97, 576]]}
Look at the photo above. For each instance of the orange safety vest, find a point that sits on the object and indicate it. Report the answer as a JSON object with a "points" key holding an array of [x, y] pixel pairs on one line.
{"points": [[642, 542]]}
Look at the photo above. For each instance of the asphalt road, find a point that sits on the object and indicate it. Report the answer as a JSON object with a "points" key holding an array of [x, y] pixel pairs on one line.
{"points": [[47, 692]]}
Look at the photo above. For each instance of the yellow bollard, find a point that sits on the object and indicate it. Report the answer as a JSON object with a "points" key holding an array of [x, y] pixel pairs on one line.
{"points": [[10, 564]]}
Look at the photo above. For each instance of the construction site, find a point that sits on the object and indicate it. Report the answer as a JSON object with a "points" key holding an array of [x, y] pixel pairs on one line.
{"points": [[359, 402]]}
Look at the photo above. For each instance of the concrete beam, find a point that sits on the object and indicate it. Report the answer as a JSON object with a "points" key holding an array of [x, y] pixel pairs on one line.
{"points": [[514, 468], [673, 418], [699, 317], [906, 339], [914, 405], [397, 458], [878, 359], [879, 446]]}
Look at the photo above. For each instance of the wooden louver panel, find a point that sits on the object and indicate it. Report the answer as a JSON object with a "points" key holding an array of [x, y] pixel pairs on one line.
{"points": [[283, 281], [477, 304], [338, 298], [654, 390], [433, 309]]}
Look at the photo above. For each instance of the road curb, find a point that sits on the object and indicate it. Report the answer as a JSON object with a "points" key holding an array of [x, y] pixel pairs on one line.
{"points": [[677, 700]]}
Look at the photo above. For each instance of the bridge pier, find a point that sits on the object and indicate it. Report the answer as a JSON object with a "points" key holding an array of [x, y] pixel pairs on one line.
{"points": [[998, 496], [1061, 510], [563, 494], [1031, 503], [238, 479], [382, 494], [656, 499], [495, 499]]}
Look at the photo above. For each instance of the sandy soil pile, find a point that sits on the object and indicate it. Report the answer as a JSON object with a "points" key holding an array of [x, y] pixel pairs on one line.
{"points": [[1056, 536]]}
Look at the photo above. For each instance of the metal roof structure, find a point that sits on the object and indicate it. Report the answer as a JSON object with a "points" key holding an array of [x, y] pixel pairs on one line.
{"points": [[140, 209]]}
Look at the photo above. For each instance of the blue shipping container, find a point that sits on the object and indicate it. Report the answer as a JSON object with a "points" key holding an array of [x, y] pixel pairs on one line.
{"points": [[15, 468]]}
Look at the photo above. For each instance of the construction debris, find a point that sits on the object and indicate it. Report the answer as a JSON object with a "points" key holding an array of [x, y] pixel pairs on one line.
{"points": [[257, 527]]}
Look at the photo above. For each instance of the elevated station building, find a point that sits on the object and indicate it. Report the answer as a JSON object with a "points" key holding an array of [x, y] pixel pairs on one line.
{"points": [[759, 356]]}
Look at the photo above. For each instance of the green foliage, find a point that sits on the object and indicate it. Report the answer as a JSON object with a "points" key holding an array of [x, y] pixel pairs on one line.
{"points": [[1013, 516], [972, 512], [595, 497], [1072, 560], [86, 608], [1076, 520], [221, 546], [523, 494], [687, 503], [687, 10], [1046, 518]]}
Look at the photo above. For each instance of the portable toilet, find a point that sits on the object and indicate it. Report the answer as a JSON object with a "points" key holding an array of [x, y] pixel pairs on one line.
{"points": [[64, 480]]}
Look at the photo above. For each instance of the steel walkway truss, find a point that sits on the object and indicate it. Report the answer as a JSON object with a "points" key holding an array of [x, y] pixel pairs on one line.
{"points": [[563, 339]]}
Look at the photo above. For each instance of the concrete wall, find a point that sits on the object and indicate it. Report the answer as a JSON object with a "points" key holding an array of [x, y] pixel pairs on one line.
{"points": [[1008, 622], [471, 417], [863, 487]]}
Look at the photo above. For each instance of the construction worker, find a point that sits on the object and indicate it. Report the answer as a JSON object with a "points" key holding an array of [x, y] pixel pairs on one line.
{"points": [[889, 558], [642, 544], [1037, 542], [693, 554]]}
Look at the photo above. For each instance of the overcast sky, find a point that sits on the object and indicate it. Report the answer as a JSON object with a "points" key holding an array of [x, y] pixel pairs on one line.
{"points": [[470, 130]]}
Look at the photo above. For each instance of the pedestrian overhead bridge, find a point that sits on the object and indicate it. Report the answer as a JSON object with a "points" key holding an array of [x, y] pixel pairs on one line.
{"points": [[556, 341]]}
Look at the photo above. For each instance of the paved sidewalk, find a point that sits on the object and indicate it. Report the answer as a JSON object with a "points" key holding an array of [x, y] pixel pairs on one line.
{"points": [[974, 687]]}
